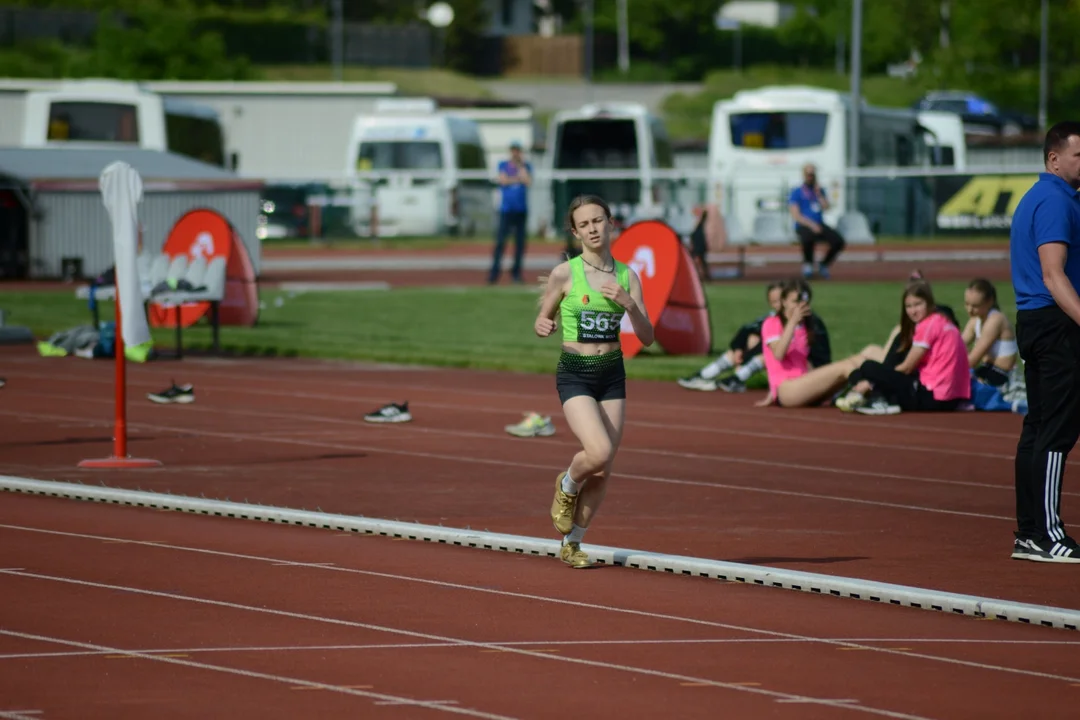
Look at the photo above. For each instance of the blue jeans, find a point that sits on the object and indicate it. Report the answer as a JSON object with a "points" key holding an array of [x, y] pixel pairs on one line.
{"points": [[509, 221]]}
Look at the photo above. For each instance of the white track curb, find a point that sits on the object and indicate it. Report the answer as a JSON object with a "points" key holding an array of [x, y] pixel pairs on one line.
{"points": [[853, 588]]}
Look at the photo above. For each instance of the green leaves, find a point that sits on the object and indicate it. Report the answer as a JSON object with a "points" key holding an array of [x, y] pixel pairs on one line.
{"points": [[162, 43], [158, 41], [463, 36]]}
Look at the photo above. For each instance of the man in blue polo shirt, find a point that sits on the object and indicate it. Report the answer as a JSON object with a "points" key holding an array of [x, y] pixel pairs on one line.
{"points": [[1044, 248], [515, 177], [807, 204]]}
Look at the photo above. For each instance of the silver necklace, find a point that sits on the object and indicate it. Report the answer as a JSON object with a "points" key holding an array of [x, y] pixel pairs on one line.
{"points": [[596, 268]]}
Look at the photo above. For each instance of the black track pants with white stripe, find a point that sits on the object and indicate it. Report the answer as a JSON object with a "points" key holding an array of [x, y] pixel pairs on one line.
{"points": [[1049, 343]]}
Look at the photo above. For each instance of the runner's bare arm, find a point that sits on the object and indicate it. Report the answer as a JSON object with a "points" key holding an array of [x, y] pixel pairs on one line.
{"points": [[554, 291]]}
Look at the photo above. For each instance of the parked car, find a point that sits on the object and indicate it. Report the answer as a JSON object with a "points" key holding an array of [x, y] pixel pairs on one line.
{"points": [[980, 116], [283, 212]]}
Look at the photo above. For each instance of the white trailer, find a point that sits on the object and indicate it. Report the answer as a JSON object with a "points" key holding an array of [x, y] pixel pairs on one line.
{"points": [[284, 132]]}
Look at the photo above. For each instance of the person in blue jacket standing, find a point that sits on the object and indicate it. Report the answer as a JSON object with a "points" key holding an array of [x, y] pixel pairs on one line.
{"points": [[515, 178]]}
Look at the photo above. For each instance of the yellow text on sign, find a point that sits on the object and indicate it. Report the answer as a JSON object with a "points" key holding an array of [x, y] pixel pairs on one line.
{"points": [[979, 196]]}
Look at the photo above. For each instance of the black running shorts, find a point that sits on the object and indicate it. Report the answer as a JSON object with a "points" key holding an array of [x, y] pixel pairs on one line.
{"points": [[601, 377], [992, 374]]}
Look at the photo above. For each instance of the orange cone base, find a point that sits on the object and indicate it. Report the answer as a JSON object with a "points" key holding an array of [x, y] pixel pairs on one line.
{"points": [[119, 463]]}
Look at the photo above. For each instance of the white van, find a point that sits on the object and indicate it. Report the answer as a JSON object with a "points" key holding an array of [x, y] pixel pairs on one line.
{"points": [[611, 137], [946, 138], [95, 112], [405, 163]]}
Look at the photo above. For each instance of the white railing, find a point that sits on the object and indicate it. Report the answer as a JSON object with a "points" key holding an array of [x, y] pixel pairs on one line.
{"points": [[922, 209], [542, 175]]}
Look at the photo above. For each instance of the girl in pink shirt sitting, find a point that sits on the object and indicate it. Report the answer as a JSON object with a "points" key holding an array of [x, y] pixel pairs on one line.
{"points": [[787, 341], [935, 354]]}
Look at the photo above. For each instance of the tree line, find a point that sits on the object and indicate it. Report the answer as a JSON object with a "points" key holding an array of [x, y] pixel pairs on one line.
{"points": [[988, 46], [213, 39]]}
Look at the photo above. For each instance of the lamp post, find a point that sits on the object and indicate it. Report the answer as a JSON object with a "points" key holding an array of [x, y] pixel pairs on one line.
{"points": [[1044, 64], [337, 38], [589, 50], [725, 24], [439, 15], [624, 36], [856, 100]]}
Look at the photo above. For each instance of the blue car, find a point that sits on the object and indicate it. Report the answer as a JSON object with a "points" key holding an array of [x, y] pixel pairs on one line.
{"points": [[980, 116]]}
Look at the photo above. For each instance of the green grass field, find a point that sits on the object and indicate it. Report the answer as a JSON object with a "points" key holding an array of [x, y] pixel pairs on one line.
{"points": [[489, 328]]}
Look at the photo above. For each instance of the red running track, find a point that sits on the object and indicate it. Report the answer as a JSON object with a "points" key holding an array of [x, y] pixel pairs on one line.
{"points": [[913, 499], [112, 612]]}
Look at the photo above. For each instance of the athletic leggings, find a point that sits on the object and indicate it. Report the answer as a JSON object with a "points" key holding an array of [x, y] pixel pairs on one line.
{"points": [[900, 389]]}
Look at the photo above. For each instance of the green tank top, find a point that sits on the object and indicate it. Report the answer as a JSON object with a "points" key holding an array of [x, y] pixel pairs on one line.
{"points": [[588, 316]]}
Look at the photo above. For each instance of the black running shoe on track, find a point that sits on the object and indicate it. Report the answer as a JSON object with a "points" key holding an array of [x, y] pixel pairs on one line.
{"points": [[174, 394], [1048, 551], [391, 413]]}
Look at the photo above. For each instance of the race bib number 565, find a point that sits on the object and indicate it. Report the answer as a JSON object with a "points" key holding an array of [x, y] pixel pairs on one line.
{"points": [[599, 325]]}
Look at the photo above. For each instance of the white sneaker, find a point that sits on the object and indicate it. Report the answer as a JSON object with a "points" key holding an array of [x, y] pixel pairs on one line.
{"points": [[534, 425], [696, 382], [878, 407]]}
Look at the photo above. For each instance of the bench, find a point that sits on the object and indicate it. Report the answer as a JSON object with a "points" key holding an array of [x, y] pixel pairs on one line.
{"points": [[769, 228], [776, 228], [855, 229], [158, 269]]}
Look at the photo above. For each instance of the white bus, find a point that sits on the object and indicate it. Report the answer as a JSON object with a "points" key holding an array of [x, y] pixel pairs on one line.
{"points": [[761, 139], [611, 137], [405, 163], [46, 113]]}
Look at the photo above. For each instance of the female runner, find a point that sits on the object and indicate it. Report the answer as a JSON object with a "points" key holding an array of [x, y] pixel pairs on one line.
{"points": [[591, 293]]}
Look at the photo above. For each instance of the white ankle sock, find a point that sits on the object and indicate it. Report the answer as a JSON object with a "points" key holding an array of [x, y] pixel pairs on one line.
{"points": [[569, 486], [716, 367], [575, 535], [756, 364]]}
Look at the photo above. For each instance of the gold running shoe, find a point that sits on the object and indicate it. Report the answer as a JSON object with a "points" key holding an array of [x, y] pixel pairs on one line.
{"points": [[562, 508], [851, 402], [572, 555]]}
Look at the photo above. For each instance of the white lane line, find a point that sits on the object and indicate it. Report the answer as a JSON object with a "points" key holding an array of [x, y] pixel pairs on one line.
{"points": [[575, 603], [386, 450], [473, 407], [528, 643], [772, 694], [639, 450], [467, 389], [258, 675]]}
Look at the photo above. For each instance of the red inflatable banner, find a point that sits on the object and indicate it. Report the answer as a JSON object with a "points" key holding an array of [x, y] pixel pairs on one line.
{"points": [[209, 234], [674, 298]]}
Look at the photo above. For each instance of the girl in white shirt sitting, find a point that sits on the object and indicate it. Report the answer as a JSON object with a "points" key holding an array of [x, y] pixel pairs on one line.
{"points": [[988, 334]]}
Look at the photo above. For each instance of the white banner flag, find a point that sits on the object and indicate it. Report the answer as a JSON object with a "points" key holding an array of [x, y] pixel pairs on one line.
{"points": [[121, 191]]}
